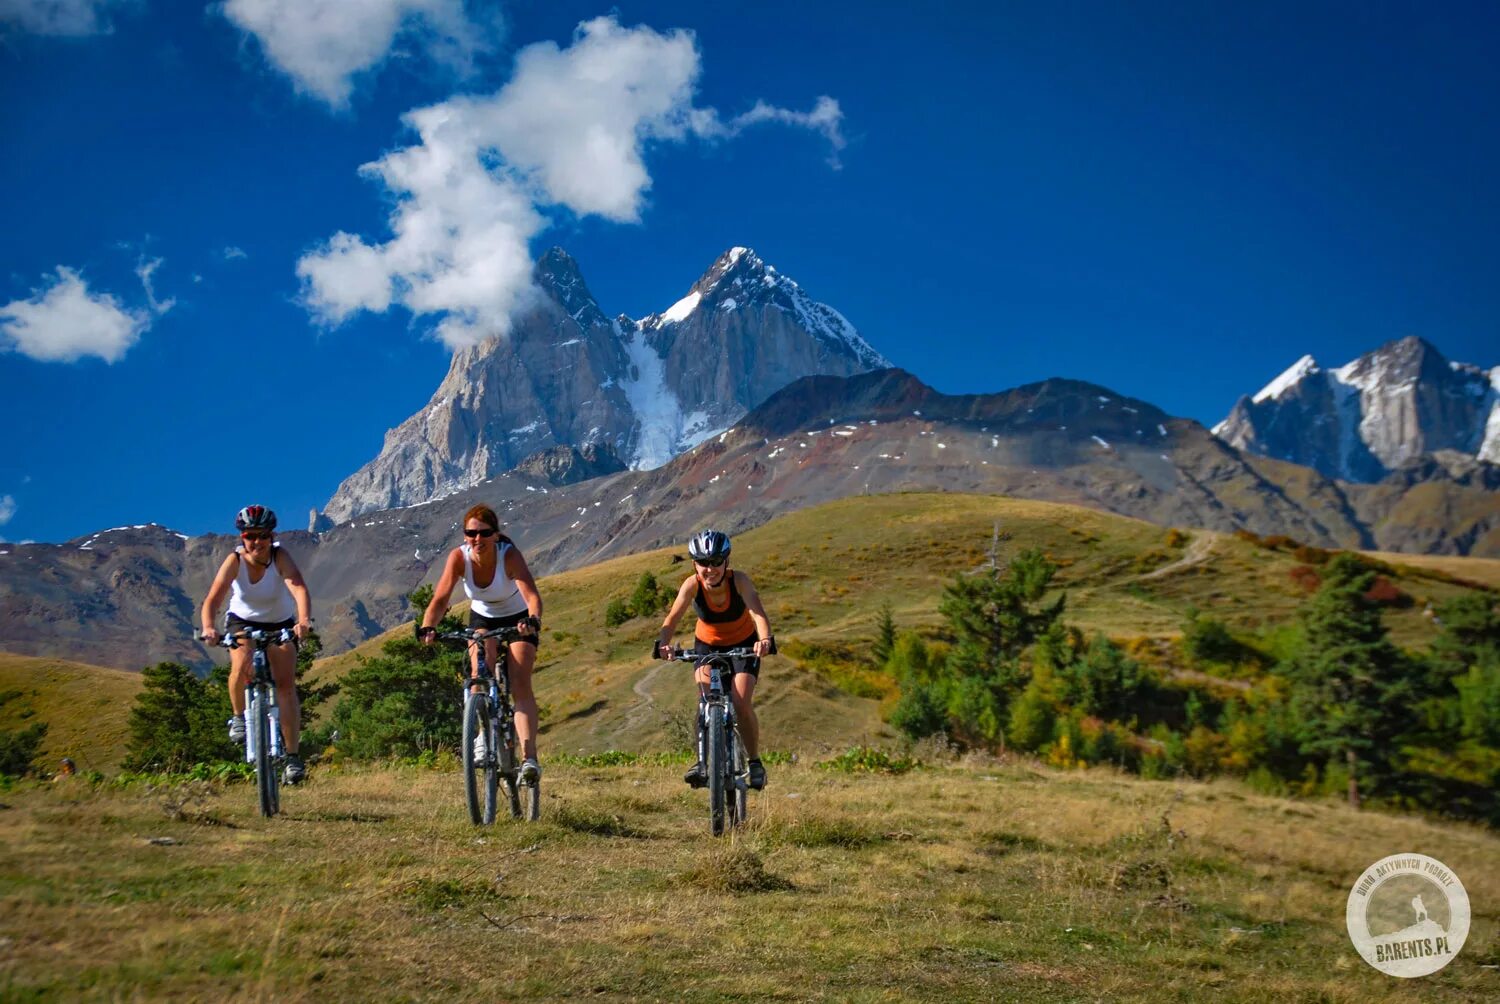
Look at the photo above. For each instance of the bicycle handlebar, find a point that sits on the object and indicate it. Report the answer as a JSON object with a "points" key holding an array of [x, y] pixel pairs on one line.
{"points": [[688, 655], [470, 635], [259, 636]]}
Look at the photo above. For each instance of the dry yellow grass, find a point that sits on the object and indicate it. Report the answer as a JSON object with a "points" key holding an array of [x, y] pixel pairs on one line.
{"points": [[968, 882], [85, 707]]}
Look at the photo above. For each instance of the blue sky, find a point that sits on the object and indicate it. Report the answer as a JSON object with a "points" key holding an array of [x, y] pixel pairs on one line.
{"points": [[1175, 200]]}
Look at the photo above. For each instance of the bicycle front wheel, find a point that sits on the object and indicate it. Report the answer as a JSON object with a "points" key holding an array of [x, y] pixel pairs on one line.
{"points": [[481, 778], [265, 766], [738, 796], [717, 771]]}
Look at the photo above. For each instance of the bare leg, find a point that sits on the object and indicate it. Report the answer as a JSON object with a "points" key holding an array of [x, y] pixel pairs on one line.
{"points": [[522, 662], [744, 712], [240, 675], [283, 660]]}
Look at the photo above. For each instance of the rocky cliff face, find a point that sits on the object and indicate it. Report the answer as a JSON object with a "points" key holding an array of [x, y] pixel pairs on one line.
{"points": [[643, 391], [1361, 421]]}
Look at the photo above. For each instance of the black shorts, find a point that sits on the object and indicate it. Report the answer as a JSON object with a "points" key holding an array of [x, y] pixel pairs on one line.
{"points": [[751, 666], [479, 622], [233, 624]]}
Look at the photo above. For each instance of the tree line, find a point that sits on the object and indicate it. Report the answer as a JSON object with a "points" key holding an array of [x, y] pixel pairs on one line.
{"points": [[1339, 708]]}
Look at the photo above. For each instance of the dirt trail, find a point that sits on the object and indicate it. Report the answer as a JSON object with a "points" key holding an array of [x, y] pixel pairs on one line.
{"points": [[1197, 552], [638, 713]]}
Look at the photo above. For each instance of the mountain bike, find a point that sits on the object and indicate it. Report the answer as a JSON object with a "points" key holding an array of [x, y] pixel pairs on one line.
{"points": [[264, 745], [488, 712], [719, 745]]}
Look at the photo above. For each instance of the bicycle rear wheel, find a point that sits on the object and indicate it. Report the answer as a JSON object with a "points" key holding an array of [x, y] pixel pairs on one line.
{"points": [[510, 767], [717, 770], [265, 766], [531, 800], [481, 777]]}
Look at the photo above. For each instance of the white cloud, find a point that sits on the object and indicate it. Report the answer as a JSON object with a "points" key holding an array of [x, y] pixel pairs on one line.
{"points": [[826, 118], [65, 322], [569, 129], [323, 44], [75, 18], [232, 253], [7, 509], [143, 271]]}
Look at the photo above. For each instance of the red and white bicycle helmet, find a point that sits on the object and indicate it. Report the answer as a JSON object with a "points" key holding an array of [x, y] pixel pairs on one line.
{"points": [[255, 517]]}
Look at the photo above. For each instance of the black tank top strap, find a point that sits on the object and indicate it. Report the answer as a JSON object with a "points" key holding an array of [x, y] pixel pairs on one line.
{"points": [[731, 613]]}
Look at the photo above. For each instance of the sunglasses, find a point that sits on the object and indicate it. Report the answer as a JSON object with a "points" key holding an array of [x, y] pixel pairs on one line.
{"points": [[716, 563], [486, 532], [256, 536]]}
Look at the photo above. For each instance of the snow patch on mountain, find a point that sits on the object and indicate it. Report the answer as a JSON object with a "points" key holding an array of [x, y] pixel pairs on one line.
{"points": [[1303, 367]]}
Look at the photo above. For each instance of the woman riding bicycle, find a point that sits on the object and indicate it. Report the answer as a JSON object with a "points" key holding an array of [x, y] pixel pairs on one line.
{"points": [[266, 593], [502, 594], [730, 615]]}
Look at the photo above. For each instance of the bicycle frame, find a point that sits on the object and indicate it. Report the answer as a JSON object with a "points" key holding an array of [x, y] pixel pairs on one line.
{"points": [[262, 712], [720, 748], [489, 709]]}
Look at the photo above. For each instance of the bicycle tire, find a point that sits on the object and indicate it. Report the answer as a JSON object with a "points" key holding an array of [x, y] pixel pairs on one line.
{"points": [[739, 798], [265, 768], [531, 800], [717, 771], [510, 768], [479, 778]]}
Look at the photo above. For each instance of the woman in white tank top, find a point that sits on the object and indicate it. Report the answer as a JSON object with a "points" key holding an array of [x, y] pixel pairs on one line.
{"points": [[265, 591], [502, 593]]}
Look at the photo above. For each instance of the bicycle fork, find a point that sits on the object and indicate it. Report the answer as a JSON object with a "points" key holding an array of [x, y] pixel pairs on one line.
{"points": [[255, 708]]}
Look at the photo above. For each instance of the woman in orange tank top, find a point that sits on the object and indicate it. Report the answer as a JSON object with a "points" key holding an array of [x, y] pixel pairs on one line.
{"points": [[730, 615]]}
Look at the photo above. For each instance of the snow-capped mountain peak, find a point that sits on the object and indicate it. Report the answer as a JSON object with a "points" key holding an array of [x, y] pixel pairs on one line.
{"points": [[643, 391], [1306, 366], [1364, 419]]}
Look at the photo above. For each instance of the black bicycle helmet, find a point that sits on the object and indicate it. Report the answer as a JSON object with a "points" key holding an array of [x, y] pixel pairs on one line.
{"points": [[255, 517], [709, 545]]}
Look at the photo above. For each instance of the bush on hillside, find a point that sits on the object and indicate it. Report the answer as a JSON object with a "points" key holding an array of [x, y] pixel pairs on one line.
{"points": [[648, 597], [18, 749], [178, 720], [404, 702]]}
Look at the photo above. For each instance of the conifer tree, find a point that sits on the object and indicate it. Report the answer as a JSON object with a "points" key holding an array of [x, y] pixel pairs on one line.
{"points": [[1351, 687]]}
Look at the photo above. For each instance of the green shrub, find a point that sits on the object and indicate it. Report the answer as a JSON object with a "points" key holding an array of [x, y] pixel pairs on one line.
{"points": [[18, 749], [869, 760]]}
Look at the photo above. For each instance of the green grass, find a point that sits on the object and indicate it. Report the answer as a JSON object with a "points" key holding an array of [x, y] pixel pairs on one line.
{"points": [[963, 881]]}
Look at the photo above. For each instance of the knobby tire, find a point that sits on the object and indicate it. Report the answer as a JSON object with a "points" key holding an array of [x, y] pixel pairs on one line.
{"points": [[510, 768], [481, 780], [739, 794], [265, 768], [717, 771]]}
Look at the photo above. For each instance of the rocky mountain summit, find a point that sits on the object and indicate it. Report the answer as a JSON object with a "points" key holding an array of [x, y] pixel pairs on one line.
{"points": [[1388, 409], [640, 390]]}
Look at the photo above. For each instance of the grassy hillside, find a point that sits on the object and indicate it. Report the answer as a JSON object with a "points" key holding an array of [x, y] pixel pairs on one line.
{"points": [[85, 707], [825, 572], [964, 882]]}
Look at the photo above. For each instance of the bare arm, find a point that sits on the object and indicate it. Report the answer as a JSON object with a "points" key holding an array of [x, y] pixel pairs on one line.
{"points": [[517, 571], [453, 569], [292, 576], [685, 594], [757, 612], [216, 594]]}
